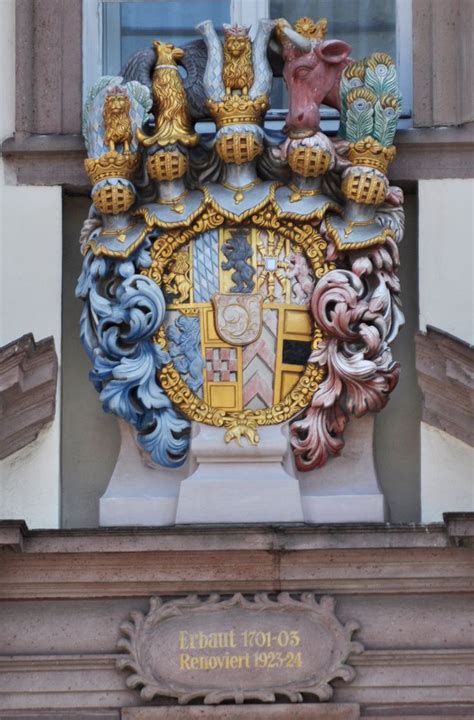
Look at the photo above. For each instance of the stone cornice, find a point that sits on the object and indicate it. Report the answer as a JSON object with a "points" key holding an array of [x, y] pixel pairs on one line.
{"points": [[290, 537], [28, 374], [446, 379], [137, 562], [422, 153]]}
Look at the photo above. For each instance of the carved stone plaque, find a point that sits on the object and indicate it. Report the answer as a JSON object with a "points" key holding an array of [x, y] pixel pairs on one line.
{"points": [[237, 648]]}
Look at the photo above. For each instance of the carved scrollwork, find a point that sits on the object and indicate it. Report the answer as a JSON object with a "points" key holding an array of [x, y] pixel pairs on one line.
{"points": [[360, 370], [196, 409]]}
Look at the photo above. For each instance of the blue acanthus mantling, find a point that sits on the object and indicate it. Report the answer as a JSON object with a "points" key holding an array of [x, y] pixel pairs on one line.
{"points": [[123, 310]]}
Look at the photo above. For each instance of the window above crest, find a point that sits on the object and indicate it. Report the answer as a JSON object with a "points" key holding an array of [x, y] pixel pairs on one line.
{"points": [[116, 29], [367, 25]]}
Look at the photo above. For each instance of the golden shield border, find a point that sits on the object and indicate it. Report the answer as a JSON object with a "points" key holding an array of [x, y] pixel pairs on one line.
{"points": [[245, 422]]}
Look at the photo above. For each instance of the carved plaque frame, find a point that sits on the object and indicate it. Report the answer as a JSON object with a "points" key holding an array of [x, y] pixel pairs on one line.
{"points": [[142, 646]]}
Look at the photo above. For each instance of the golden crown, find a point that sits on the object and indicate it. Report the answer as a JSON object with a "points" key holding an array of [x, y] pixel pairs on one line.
{"points": [[238, 110], [370, 153], [311, 29], [112, 164]]}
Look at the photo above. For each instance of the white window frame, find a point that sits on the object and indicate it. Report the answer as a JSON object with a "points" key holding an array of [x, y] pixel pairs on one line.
{"points": [[246, 12]]}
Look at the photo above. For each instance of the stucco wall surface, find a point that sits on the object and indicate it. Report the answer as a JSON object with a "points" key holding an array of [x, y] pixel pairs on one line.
{"points": [[31, 258], [446, 231], [447, 474], [446, 270], [30, 301]]}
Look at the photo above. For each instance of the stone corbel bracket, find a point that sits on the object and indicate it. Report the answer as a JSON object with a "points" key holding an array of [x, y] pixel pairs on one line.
{"points": [[446, 378], [28, 377]]}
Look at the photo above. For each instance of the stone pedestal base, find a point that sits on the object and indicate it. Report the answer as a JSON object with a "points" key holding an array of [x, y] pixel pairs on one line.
{"points": [[346, 488], [138, 494], [235, 484], [225, 483]]}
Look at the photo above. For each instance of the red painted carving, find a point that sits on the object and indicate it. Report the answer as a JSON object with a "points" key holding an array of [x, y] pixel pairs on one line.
{"points": [[312, 70]]}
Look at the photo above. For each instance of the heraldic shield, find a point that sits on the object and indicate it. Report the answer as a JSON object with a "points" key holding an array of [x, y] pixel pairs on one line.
{"points": [[236, 303], [242, 278]]}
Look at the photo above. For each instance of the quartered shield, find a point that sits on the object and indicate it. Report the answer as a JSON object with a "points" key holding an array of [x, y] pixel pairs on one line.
{"points": [[238, 324]]}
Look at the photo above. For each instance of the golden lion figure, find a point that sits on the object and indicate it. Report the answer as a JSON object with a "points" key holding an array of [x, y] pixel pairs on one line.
{"points": [[238, 69], [177, 280], [118, 128]]}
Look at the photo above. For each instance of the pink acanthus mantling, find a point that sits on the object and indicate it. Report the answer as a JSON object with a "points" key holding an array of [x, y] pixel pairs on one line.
{"points": [[358, 310]]}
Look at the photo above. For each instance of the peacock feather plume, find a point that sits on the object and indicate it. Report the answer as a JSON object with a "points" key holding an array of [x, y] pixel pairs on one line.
{"points": [[352, 77], [370, 100], [386, 113], [359, 114], [381, 75]]}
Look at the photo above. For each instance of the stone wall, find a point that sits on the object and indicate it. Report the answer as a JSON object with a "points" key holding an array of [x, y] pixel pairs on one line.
{"points": [[64, 594]]}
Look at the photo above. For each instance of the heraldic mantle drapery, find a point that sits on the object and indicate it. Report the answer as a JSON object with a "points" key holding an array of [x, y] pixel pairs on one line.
{"points": [[246, 278]]}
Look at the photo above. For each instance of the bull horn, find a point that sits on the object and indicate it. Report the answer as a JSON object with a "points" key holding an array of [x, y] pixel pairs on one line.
{"points": [[275, 47], [298, 40]]}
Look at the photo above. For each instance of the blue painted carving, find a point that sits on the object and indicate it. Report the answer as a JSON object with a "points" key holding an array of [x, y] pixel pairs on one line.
{"points": [[122, 312], [205, 266], [184, 338], [238, 252]]}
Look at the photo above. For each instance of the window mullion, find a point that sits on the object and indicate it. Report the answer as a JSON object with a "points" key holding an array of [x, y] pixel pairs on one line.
{"points": [[112, 36], [249, 12], [404, 54]]}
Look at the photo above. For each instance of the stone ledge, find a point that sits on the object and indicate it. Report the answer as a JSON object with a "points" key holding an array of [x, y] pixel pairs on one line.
{"points": [[252, 537], [437, 675], [95, 662], [421, 154], [310, 711], [28, 375]]}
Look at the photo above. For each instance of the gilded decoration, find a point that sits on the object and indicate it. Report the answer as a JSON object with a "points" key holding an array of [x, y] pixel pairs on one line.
{"points": [[230, 279], [237, 72], [173, 123]]}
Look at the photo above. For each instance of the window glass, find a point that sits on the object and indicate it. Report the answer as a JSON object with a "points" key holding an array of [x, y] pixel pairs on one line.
{"points": [[132, 26], [367, 25]]}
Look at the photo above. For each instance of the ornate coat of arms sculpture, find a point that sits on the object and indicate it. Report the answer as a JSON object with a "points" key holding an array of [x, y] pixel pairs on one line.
{"points": [[247, 278]]}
